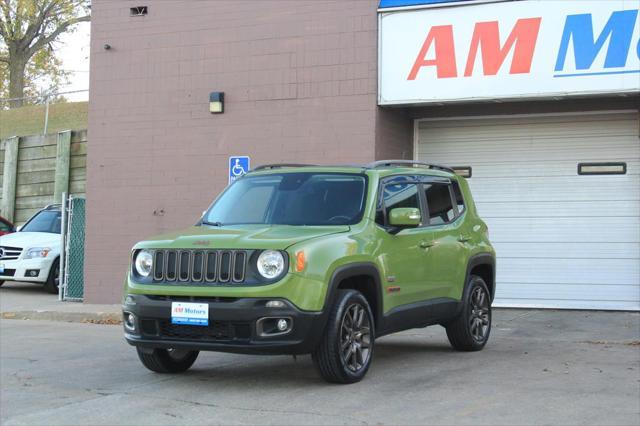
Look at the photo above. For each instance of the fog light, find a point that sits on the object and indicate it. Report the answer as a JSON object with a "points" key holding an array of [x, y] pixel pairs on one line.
{"points": [[283, 324], [129, 300], [129, 321], [32, 272], [269, 326], [216, 102], [275, 304]]}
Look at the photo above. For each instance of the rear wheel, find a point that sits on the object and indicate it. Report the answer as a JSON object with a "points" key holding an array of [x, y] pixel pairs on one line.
{"points": [[167, 360], [470, 330], [346, 349], [53, 279]]}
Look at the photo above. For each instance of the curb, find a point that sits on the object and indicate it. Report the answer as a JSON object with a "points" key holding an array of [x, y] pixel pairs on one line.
{"points": [[108, 318]]}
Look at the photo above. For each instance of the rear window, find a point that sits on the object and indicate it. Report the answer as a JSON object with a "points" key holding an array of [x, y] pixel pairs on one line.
{"points": [[439, 203]]}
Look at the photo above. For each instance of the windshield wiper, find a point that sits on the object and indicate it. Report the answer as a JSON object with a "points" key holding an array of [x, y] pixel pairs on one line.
{"points": [[204, 222]]}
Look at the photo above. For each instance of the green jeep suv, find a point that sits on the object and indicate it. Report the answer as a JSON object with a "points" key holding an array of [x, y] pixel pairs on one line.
{"points": [[320, 260]]}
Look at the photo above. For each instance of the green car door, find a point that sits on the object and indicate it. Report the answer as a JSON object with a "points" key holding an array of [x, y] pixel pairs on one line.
{"points": [[401, 251], [447, 252]]}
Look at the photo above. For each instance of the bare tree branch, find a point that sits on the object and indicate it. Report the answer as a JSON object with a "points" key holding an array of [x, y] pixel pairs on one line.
{"points": [[43, 41], [35, 27]]}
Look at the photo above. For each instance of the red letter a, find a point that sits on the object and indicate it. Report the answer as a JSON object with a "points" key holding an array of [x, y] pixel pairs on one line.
{"points": [[445, 59]]}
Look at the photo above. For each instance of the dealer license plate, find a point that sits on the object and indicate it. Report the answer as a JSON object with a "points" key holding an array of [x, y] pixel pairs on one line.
{"points": [[190, 313]]}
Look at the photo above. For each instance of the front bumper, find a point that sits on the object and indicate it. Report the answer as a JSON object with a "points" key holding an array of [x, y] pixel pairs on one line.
{"points": [[233, 326], [16, 270]]}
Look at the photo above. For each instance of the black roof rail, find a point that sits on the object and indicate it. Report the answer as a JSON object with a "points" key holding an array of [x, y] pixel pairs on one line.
{"points": [[279, 166], [52, 206], [408, 163]]}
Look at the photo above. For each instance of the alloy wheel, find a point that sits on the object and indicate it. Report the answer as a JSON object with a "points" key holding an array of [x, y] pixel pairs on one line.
{"points": [[479, 319], [56, 276], [355, 337]]}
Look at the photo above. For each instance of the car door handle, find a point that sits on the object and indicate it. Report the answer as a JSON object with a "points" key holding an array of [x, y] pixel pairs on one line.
{"points": [[464, 238], [426, 244]]}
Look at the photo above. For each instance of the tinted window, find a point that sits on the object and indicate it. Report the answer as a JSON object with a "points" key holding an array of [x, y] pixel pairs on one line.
{"points": [[45, 221], [395, 196], [292, 199], [439, 203], [459, 199]]}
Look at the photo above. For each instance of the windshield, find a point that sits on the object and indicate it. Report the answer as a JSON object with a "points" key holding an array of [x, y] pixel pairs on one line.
{"points": [[45, 221], [291, 199]]}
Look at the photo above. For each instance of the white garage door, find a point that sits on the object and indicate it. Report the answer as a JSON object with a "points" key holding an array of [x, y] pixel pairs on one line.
{"points": [[563, 240]]}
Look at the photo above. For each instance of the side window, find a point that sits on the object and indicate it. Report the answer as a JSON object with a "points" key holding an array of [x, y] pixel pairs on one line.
{"points": [[395, 196], [441, 209], [459, 199]]}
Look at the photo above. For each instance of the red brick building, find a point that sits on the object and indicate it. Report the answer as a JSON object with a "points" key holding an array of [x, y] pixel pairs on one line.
{"points": [[301, 82]]}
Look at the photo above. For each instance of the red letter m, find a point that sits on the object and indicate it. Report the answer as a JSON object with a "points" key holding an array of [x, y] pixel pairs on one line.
{"points": [[486, 36]]}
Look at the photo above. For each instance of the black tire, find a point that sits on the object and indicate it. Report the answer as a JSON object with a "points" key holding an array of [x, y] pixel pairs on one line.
{"points": [[471, 329], [1, 282], [167, 360], [346, 349], [51, 286]]}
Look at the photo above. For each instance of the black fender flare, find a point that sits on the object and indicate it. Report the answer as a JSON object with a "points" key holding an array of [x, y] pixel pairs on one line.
{"points": [[482, 259], [352, 270]]}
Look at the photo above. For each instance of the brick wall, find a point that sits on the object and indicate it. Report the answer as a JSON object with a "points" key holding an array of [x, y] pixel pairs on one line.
{"points": [[300, 85]]}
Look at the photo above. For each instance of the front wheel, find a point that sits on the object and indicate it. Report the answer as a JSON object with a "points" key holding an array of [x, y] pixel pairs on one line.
{"points": [[470, 330], [346, 349], [53, 279], [167, 360]]}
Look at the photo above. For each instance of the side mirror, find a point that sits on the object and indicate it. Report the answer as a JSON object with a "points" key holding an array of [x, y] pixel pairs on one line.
{"points": [[405, 217]]}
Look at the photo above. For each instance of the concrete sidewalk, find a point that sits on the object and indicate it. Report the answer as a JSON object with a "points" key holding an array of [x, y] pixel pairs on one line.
{"points": [[31, 301]]}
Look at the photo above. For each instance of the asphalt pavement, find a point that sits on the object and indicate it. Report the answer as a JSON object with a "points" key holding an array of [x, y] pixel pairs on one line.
{"points": [[539, 367], [20, 300]]}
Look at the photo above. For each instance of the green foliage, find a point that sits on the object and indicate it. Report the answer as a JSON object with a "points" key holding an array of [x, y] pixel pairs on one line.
{"points": [[29, 30]]}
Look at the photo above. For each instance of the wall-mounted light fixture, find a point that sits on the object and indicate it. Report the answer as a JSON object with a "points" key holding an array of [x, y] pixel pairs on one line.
{"points": [[216, 102]]}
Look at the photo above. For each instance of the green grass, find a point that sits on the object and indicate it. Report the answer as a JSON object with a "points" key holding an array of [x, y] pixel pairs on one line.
{"points": [[29, 120]]}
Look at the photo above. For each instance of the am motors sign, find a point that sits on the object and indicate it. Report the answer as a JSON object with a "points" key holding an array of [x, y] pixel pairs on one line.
{"points": [[514, 49]]}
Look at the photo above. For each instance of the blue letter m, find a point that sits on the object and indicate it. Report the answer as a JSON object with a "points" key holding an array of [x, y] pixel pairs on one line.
{"points": [[619, 30]]}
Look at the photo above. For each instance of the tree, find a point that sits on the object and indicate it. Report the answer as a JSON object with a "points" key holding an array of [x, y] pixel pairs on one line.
{"points": [[28, 29]]}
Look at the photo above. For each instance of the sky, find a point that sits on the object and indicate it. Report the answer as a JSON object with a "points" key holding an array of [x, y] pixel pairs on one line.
{"points": [[73, 50]]}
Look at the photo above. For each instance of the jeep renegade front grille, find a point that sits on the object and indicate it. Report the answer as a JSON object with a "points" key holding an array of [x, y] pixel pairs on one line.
{"points": [[201, 266]]}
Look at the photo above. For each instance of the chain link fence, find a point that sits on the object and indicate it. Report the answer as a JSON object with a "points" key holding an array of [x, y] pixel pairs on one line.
{"points": [[72, 272]]}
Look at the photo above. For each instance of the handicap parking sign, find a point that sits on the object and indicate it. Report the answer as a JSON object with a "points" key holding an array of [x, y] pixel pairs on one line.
{"points": [[238, 166]]}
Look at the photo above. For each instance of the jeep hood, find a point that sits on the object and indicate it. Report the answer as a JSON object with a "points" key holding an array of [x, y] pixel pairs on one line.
{"points": [[277, 237]]}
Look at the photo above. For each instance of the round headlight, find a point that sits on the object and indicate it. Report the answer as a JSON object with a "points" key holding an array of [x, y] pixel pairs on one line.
{"points": [[270, 264], [143, 263]]}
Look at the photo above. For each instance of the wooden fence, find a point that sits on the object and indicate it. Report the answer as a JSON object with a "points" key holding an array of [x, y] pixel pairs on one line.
{"points": [[36, 170]]}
